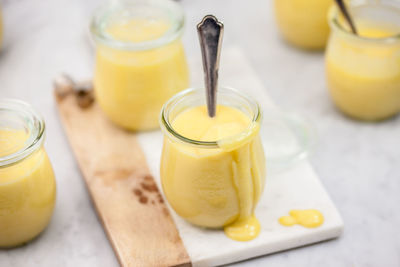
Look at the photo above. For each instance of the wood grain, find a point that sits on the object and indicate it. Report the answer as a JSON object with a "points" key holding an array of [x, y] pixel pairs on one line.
{"points": [[123, 191]]}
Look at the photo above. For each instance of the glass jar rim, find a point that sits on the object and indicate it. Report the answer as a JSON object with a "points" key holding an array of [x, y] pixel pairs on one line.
{"points": [[333, 19], [170, 7], [33, 121], [168, 129]]}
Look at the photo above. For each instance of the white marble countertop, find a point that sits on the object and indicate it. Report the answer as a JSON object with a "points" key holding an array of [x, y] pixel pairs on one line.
{"points": [[359, 163]]}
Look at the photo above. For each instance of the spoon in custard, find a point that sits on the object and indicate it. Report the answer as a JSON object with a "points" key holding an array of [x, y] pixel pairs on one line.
{"points": [[244, 226], [347, 16], [210, 32]]}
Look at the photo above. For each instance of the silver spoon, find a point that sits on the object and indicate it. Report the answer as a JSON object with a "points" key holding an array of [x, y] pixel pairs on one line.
{"points": [[210, 32]]}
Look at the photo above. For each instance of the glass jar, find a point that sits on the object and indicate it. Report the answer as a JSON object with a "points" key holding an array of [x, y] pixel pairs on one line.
{"points": [[140, 61], [212, 183], [27, 184], [363, 71], [303, 23]]}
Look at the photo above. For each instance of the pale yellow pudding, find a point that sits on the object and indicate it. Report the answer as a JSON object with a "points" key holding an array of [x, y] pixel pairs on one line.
{"points": [[221, 186], [140, 64], [303, 23], [363, 72], [27, 186]]}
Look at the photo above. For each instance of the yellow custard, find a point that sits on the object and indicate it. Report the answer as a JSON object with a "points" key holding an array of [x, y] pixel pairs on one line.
{"points": [[140, 64], [308, 218], [372, 31], [138, 30], [27, 191], [215, 187], [303, 22], [363, 74]]}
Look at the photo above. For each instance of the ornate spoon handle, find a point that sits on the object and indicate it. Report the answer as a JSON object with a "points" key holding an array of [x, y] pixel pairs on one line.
{"points": [[210, 32]]}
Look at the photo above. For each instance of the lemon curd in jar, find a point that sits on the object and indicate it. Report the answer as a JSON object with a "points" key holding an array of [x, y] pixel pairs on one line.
{"points": [[27, 184], [363, 72], [140, 61], [213, 169], [303, 23]]}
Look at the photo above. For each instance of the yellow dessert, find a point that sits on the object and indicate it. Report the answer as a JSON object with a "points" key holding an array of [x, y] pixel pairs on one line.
{"points": [[220, 186], [131, 85], [27, 191], [363, 73], [303, 22], [308, 218]]}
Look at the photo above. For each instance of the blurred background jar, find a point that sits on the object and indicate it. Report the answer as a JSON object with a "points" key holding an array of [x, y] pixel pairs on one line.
{"points": [[27, 184], [363, 71], [303, 23], [140, 60]]}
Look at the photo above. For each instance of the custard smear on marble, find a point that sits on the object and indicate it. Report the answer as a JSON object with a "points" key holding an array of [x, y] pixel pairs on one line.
{"points": [[310, 218], [216, 187], [27, 191]]}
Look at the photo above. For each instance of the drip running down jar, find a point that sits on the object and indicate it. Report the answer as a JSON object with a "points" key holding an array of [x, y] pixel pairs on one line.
{"points": [[213, 169], [363, 71], [27, 184], [140, 61]]}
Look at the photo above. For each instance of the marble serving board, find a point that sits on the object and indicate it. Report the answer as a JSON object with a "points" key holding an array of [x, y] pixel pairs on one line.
{"points": [[295, 187], [121, 170]]}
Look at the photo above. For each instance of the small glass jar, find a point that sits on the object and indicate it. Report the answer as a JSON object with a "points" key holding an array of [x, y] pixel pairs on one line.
{"points": [[140, 60], [303, 23], [27, 183], [363, 71], [205, 182]]}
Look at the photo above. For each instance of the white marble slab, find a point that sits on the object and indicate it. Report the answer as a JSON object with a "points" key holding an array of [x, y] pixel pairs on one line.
{"points": [[296, 187]]}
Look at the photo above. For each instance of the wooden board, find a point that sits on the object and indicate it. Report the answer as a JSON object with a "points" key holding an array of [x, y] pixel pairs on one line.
{"points": [[123, 191]]}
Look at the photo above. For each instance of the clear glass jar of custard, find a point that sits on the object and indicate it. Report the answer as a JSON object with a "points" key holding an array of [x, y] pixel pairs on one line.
{"points": [[303, 23], [213, 169], [140, 61], [363, 71], [27, 184]]}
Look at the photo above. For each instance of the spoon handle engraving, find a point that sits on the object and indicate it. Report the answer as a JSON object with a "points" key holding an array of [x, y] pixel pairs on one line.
{"points": [[210, 32]]}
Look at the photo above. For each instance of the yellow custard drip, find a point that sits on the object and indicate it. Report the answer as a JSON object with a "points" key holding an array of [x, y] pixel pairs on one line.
{"points": [[27, 191], [132, 85], [363, 76], [244, 229], [308, 218], [216, 187]]}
